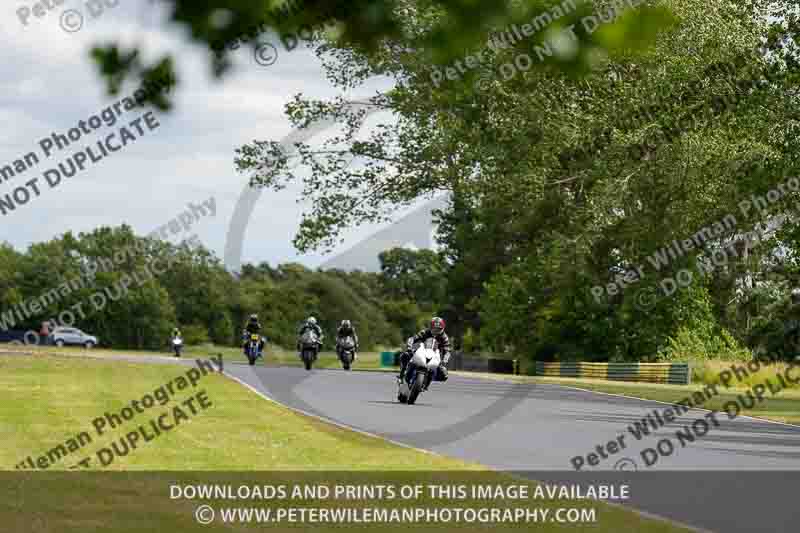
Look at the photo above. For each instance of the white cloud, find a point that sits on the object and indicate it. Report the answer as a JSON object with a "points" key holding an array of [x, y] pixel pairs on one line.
{"points": [[48, 83]]}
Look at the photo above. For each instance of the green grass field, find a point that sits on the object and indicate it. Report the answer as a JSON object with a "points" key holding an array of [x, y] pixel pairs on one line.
{"points": [[785, 407], [273, 355], [47, 400]]}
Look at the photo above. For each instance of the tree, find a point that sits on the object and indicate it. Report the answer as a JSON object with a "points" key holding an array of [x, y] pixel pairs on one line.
{"points": [[446, 28], [418, 276], [559, 183]]}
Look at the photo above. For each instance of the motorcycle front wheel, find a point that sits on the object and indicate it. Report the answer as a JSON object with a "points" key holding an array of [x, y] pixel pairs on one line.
{"points": [[416, 388]]}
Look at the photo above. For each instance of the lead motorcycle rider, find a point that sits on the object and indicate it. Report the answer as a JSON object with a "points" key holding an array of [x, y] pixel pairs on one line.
{"points": [[435, 331]]}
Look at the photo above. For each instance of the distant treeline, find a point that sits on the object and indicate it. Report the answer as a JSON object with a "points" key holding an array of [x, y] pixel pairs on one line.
{"points": [[133, 299]]}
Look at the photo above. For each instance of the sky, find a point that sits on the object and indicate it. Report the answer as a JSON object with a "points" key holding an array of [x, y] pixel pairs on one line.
{"points": [[48, 84]]}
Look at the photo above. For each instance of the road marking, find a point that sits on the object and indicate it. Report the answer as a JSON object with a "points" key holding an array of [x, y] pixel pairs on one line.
{"points": [[334, 422], [644, 514]]}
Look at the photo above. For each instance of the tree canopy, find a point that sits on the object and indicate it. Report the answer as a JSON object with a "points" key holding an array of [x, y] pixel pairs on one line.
{"points": [[560, 182]]}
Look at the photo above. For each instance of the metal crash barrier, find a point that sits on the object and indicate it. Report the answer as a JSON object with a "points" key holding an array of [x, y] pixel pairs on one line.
{"points": [[673, 373]]}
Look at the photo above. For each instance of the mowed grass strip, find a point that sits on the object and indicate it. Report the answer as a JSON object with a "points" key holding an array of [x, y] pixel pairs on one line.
{"points": [[783, 407], [273, 355], [47, 400]]}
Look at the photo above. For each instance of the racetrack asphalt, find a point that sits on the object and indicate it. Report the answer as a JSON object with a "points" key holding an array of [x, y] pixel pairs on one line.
{"points": [[740, 476]]}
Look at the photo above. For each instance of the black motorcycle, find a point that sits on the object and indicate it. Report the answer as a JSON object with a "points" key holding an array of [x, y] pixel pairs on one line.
{"points": [[309, 347], [346, 347]]}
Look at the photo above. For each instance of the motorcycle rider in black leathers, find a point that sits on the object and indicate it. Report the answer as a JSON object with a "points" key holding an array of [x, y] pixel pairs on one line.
{"points": [[435, 331], [310, 323], [346, 329], [253, 326]]}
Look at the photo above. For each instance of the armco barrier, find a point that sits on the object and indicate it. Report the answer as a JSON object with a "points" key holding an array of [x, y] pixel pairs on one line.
{"points": [[675, 373], [489, 365]]}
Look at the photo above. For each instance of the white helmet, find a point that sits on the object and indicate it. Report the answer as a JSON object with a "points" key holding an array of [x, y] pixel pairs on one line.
{"points": [[311, 320]]}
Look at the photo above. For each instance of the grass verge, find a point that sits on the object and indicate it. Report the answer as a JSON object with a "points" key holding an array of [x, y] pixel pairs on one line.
{"points": [[273, 356], [48, 400]]}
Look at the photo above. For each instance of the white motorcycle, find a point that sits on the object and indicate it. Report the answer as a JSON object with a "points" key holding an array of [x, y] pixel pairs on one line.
{"points": [[419, 372], [177, 346]]}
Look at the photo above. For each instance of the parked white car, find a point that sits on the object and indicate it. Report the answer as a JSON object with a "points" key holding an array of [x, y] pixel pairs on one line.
{"points": [[64, 336]]}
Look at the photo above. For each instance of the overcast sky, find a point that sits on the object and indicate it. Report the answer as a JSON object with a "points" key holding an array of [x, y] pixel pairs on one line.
{"points": [[49, 84]]}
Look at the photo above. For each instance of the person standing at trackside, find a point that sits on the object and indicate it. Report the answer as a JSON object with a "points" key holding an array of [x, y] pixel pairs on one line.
{"points": [[44, 332], [435, 331], [310, 323], [346, 329], [253, 327]]}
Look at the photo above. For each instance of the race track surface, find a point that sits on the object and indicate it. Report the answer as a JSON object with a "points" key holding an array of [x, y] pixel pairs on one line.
{"points": [[742, 475]]}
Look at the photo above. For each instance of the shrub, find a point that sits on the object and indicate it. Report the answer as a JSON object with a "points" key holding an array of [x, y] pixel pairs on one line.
{"points": [[195, 334], [689, 345]]}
